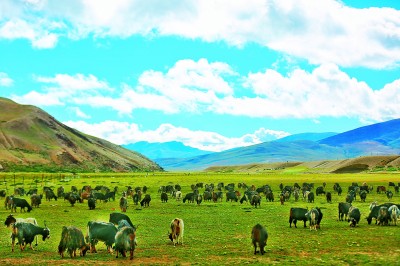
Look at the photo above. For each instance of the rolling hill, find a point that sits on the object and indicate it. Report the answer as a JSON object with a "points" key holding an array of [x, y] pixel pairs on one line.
{"points": [[32, 140]]}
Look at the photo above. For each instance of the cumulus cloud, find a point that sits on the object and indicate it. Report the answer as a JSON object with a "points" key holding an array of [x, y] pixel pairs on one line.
{"points": [[5, 80], [62, 89], [125, 133], [325, 31], [201, 87]]}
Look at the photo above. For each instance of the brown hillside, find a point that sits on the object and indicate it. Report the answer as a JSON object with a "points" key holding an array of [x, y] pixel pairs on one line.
{"points": [[30, 136]]}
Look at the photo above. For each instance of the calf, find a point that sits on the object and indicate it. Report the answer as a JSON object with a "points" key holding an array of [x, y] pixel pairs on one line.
{"points": [[22, 203], [145, 201], [297, 214], [125, 240], [259, 235], [176, 234], [71, 240], [26, 232], [101, 231], [343, 209], [354, 216], [394, 213], [116, 217]]}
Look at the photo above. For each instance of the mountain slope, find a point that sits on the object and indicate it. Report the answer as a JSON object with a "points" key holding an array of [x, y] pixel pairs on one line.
{"points": [[307, 136], [32, 139], [165, 150], [386, 133], [265, 152]]}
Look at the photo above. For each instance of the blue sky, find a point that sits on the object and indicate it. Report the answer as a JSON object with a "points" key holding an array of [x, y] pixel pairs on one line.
{"points": [[212, 75]]}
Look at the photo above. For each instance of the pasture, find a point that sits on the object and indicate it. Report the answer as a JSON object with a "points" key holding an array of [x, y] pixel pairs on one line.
{"points": [[215, 233]]}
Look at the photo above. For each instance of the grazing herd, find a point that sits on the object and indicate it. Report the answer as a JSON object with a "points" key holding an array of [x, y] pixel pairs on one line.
{"points": [[119, 233]]}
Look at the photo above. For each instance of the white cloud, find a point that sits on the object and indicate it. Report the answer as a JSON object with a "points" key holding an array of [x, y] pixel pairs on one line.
{"points": [[202, 87], [125, 133], [79, 113], [63, 89], [5, 80], [320, 31]]}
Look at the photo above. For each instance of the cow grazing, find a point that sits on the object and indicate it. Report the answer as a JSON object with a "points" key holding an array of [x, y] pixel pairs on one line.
{"points": [[123, 204], [328, 197], [22, 203], [389, 194], [297, 214], [256, 200], [189, 197], [36, 200], [145, 201], [363, 195], [231, 196], [343, 209], [383, 216], [26, 232], [101, 231], [313, 217], [116, 217], [50, 195], [125, 240], [92, 203], [259, 235], [380, 189], [164, 197], [394, 213], [176, 234], [60, 191], [71, 240], [354, 216], [270, 196]]}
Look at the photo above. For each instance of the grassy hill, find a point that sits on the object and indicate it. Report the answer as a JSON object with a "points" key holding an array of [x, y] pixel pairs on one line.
{"points": [[32, 140], [389, 163]]}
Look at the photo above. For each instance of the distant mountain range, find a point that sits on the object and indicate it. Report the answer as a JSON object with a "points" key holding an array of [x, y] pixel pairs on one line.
{"points": [[377, 139], [32, 140], [171, 149]]}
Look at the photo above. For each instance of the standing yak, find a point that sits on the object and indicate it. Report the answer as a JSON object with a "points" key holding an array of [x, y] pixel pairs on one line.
{"points": [[259, 235]]}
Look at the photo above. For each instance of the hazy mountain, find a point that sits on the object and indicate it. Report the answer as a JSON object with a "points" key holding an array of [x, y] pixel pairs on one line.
{"points": [[31, 139], [307, 136], [171, 149], [385, 133], [377, 139]]}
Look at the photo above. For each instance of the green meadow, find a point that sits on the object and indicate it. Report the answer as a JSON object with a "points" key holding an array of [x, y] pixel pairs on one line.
{"points": [[215, 233]]}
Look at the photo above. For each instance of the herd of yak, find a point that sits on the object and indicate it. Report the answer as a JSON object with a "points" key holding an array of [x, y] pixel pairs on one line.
{"points": [[119, 233]]}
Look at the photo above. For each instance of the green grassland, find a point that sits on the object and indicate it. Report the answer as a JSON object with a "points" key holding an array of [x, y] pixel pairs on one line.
{"points": [[215, 233]]}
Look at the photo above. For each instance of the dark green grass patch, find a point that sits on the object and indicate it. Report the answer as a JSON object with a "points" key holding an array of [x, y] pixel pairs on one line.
{"points": [[215, 233]]}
